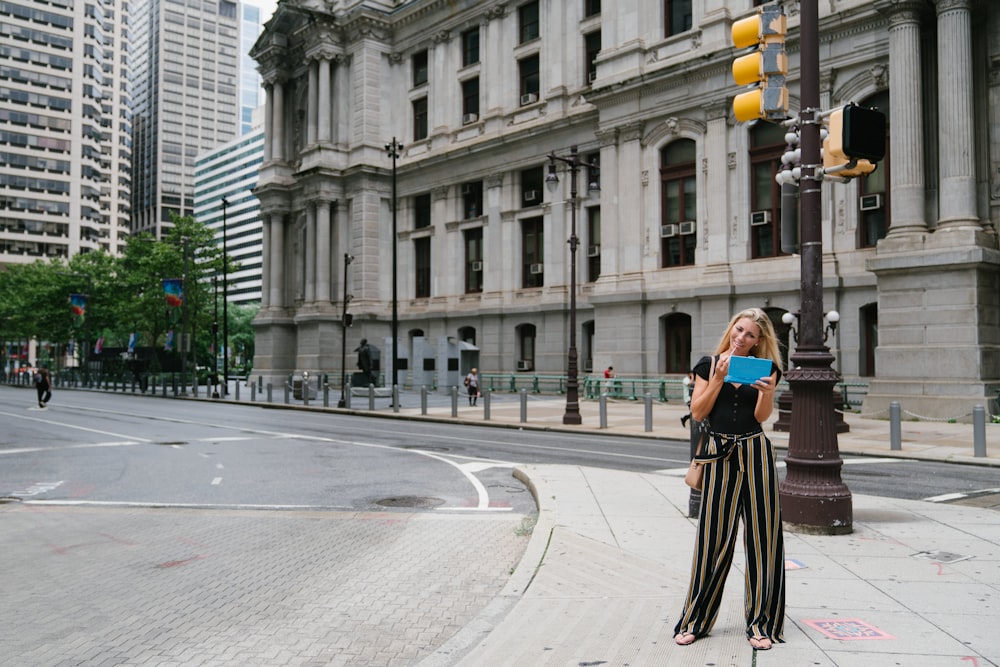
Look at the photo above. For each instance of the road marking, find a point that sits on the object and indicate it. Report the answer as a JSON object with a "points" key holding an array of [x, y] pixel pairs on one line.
{"points": [[948, 497], [217, 481], [209, 506], [466, 469], [50, 422]]}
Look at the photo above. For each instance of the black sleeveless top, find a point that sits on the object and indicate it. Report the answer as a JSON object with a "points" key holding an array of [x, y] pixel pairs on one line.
{"points": [[733, 411]]}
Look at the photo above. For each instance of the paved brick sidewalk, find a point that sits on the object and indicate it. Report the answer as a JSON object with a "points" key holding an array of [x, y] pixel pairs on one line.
{"points": [[111, 586]]}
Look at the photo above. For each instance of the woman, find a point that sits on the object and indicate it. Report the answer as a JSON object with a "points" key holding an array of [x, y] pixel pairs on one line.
{"points": [[741, 483], [472, 382]]}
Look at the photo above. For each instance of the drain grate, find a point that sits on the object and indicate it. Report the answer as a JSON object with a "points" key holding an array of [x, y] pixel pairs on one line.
{"points": [[409, 501]]}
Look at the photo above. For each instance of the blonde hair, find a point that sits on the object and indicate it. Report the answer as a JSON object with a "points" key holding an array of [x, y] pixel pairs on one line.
{"points": [[766, 347]]}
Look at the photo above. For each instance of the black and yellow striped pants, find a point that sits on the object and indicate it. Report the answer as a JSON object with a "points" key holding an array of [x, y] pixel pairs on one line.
{"points": [[743, 485]]}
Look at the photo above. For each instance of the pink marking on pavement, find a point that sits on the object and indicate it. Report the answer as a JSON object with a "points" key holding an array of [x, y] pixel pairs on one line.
{"points": [[188, 540], [848, 629], [116, 539], [185, 561], [973, 659]]}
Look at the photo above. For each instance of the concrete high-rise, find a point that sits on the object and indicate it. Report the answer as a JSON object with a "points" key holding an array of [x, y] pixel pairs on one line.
{"points": [[64, 129], [185, 90]]}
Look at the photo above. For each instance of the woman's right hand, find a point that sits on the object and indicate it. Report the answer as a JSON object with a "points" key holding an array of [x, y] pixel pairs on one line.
{"points": [[722, 367]]}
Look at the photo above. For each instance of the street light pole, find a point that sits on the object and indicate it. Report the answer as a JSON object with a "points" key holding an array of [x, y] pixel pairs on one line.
{"points": [[572, 414], [215, 337], [813, 496], [392, 150], [225, 300], [348, 258]]}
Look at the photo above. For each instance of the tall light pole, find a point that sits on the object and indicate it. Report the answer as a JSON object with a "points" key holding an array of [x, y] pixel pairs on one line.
{"points": [[225, 300], [215, 337], [344, 323], [813, 495], [572, 414], [392, 150]]}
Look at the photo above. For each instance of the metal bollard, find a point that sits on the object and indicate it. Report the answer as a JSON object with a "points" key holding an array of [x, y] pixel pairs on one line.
{"points": [[649, 411], [287, 391], [423, 400], [326, 394], [253, 392], [454, 401], [979, 431], [486, 405], [269, 387], [305, 388], [395, 398], [895, 429], [371, 396], [237, 391], [603, 409], [524, 406]]}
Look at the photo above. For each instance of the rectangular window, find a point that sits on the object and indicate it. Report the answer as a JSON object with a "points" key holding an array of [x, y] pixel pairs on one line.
{"points": [[470, 47], [591, 7], [873, 206], [420, 119], [422, 211], [474, 260], [677, 16], [532, 181], [528, 75], [593, 214], [592, 46], [419, 68], [532, 251], [678, 232], [472, 199], [527, 15], [422, 262], [470, 100]]}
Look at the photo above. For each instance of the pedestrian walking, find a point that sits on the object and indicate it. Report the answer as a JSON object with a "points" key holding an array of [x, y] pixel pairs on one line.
{"points": [[740, 483], [43, 386]]}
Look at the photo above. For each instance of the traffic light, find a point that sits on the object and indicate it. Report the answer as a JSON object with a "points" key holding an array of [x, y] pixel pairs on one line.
{"points": [[766, 67], [855, 141]]}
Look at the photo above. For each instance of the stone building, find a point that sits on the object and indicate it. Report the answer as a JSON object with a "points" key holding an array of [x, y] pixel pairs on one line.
{"points": [[685, 229]]}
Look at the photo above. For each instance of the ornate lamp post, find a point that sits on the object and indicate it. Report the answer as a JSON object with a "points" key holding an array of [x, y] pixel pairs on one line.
{"points": [[573, 162], [813, 495], [344, 323], [392, 150]]}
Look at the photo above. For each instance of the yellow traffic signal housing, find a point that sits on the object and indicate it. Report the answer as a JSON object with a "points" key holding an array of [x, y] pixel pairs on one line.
{"points": [[855, 141], [767, 66]]}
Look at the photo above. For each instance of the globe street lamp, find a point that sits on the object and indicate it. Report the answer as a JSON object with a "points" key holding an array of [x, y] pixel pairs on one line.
{"points": [[573, 162]]}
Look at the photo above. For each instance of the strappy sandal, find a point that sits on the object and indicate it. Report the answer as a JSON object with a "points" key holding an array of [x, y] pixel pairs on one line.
{"points": [[685, 638], [760, 643]]}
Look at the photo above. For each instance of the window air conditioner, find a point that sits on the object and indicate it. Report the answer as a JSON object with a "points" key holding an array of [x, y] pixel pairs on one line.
{"points": [[477, 266], [470, 118], [758, 218], [530, 195], [528, 98], [591, 76], [666, 231], [588, 366], [593, 251], [523, 365], [686, 228], [871, 202], [535, 269]]}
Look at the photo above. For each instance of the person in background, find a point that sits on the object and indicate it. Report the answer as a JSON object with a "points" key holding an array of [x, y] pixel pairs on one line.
{"points": [[43, 385], [740, 483], [609, 375], [688, 390], [472, 383]]}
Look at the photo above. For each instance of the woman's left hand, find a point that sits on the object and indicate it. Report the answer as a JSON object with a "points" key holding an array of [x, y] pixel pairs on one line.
{"points": [[764, 384]]}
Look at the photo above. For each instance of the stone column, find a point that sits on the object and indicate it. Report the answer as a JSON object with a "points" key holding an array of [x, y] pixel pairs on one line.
{"points": [[323, 252], [265, 261], [278, 122], [314, 103], [325, 96], [268, 120], [276, 257], [310, 253], [957, 151], [907, 149]]}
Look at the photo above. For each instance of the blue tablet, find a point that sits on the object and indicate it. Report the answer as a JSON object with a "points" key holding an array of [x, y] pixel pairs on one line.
{"points": [[747, 370]]}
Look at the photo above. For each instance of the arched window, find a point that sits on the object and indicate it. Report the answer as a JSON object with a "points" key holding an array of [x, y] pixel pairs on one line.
{"points": [[677, 343], [767, 144], [678, 230], [873, 189]]}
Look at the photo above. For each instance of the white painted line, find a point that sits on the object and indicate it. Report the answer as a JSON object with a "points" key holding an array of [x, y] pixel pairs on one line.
{"points": [[945, 497], [109, 503], [85, 445], [77, 427], [217, 481], [484, 496]]}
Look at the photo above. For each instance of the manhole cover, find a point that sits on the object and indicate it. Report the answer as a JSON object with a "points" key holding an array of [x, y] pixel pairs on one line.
{"points": [[409, 501], [9, 499]]}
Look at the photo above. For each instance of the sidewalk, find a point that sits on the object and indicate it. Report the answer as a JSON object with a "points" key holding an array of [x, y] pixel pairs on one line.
{"points": [[601, 583]]}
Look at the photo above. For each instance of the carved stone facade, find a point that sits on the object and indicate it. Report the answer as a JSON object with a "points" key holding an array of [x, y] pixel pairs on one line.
{"points": [[910, 258]]}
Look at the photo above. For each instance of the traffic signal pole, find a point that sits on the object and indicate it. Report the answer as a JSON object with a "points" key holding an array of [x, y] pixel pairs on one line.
{"points": [[813, 496]]}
